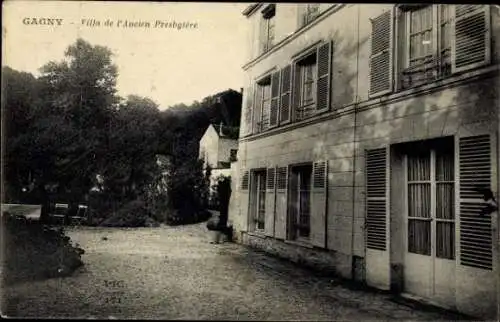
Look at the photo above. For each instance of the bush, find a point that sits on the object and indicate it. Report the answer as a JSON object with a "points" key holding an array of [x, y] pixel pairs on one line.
{"points": [[35, 251], [135, 213]]}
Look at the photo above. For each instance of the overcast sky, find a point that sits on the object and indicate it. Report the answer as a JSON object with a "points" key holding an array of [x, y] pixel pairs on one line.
{"points": [[168, 65]]}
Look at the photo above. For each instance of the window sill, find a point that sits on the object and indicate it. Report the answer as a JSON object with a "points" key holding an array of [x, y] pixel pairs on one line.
{"points": [[402, 94], [390, 98]]}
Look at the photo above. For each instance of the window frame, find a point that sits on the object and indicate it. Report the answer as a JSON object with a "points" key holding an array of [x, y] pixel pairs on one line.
{"points": [[268, 23], [233, 156], [294, 227], [310, 12], [263, 82], [259, 176], [297, 63], [441, 65]]}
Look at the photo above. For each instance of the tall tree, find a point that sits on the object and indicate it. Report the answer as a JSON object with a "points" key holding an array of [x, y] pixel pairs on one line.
{"points": [[132, 147]]}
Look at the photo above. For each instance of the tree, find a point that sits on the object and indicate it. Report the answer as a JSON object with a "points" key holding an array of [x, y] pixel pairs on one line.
{"points": [[18, 114], [62, 115], [130, 163]]}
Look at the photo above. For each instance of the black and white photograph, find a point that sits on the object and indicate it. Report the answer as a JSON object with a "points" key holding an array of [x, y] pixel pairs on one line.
{"points": [[286, 161]]}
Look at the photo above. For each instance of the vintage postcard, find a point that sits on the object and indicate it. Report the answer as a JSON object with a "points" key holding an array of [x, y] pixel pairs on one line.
{"points": [[250, 161]]}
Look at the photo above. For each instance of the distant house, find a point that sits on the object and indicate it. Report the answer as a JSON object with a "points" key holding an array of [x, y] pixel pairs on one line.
{"points": [[219, 146]]}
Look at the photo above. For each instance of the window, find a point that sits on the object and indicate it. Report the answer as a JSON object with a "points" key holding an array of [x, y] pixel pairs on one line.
{"points": [[432, 42], [300, 201], [311, 11], [268, 26], [259, 199], [233, 154], [428, 46], [263, 104], [428, 32], [431, 199], [307, 74]]}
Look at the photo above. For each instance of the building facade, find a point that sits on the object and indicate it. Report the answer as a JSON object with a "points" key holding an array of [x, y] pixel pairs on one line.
{"points": [[367, 132], [217, 149]]}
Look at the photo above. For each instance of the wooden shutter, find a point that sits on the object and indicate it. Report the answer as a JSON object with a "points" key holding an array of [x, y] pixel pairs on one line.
{"points": [[381, 54], [475, 229], [292, 209], [296, 90], [376, 199], [280, 225], [270, 201], [472, 45], [324, 55], [244, 195], [275, 99], [249, 99], [319, 203], [286, 94], [257, 109]]}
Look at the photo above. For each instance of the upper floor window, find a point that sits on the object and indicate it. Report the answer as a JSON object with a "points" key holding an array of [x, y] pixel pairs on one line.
{"points": [[309, 13], [263, 104], [427, 43], [307, 68], [267, 27]]}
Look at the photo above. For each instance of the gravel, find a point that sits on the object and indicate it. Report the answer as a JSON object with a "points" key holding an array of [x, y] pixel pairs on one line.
{"points": [[174, 273]]}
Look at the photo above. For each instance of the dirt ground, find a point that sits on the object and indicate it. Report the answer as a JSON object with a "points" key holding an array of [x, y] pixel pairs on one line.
{"points": [[174, 273]]}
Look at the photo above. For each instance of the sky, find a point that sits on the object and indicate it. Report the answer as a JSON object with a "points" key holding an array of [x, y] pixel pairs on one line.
{"points": [[166, 64]]}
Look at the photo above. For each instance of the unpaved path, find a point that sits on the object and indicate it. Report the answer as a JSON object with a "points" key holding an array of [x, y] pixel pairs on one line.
{"points": [[174, 273]]}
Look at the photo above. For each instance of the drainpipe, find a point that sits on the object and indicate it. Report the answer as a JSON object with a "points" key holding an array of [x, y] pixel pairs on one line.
{"points": [[353, 270]]}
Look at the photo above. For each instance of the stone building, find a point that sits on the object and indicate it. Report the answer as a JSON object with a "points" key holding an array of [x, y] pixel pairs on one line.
{"points": [[367, 132]]}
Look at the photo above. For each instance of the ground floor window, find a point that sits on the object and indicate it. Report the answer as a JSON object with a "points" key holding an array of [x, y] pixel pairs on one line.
{"points": [[259, 199], [299, 206]]}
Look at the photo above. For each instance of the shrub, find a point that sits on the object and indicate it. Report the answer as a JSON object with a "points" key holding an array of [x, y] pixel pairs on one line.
{"points": [[34, 250], [135, 213]]}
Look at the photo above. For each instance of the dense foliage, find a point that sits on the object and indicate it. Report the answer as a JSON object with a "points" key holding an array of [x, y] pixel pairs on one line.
{"points": [[70, 138]]}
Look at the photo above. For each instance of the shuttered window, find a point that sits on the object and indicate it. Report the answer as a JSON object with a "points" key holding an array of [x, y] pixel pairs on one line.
{"points": [[257, 109], [438, 40], [376, 198], [262, 105], [299, 208], [324, 71], [296, 93], [475, 228], [281, 203], [270, 179], [259, 198], [381, 55], [286, 94], [248, 110], [270, 202], [319, 203], [311, 82], [472, 37], [281, 174], [244, 180], [275, 98]]}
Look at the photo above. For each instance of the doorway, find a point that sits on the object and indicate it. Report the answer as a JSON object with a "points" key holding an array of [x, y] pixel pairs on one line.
{"points": [[429, 220]]}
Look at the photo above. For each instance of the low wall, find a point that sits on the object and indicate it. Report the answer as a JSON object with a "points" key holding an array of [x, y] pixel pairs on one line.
{"points": [[318, 259]]}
